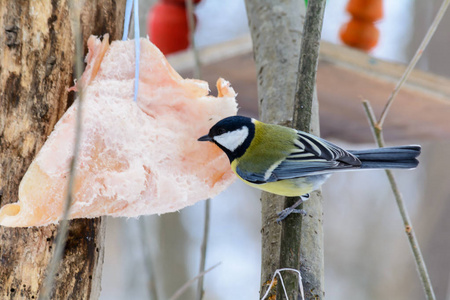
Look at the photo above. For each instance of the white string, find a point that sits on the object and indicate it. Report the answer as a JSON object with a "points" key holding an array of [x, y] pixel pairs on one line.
{"points": [[278, 272]]}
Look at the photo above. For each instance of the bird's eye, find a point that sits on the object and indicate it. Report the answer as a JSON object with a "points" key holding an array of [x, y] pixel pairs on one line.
{"points": [[221, 131]]}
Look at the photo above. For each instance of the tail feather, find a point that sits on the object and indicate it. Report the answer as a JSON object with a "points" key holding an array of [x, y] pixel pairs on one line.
{"points": [[402, 157]]}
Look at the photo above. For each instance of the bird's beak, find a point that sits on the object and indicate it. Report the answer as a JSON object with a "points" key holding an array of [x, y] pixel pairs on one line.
{"points": [[205, 138]]}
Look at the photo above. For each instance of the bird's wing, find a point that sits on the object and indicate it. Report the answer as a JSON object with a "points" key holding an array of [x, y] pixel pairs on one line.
{"points": [[253, 177], [309, 155]]}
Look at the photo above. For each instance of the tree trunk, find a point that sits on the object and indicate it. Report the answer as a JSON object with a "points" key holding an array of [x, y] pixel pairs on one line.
{"points": [[37, 55], [276, 31]]}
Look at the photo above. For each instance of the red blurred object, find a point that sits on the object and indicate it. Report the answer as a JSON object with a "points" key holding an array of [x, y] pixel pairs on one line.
{"points": [[179, 2], [369, 10], [167, 26], [360, 34]]}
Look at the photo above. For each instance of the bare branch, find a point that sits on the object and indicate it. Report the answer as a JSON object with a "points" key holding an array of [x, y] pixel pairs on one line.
{"points": [[414, 60], [420, 263], [377, 128], [197, 75], [204, 248], [187, 284], [60, 242], [191, 24], [144, 236]]}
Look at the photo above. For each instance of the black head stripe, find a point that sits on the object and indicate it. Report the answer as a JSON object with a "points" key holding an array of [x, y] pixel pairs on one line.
{"points": [[243, 147]]}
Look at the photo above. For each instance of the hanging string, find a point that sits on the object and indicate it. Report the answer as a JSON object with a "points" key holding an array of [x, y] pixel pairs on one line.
{"points": [[126, 26], [127, 19], [137, 44]]}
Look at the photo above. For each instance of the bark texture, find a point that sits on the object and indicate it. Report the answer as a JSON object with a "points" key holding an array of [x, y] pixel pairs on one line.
{"points": [[276, 34], [306, 118], [276, 30], [36, 55]]}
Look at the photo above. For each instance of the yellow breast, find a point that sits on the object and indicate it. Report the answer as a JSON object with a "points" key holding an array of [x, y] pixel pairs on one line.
{"points": [[287, 187]]}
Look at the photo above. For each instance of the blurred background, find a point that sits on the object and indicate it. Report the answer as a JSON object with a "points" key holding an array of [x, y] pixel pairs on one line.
{"points": [[366, 250]]}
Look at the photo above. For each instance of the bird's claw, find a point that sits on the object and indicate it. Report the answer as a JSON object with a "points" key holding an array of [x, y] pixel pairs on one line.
{"points": [[287, 211]]}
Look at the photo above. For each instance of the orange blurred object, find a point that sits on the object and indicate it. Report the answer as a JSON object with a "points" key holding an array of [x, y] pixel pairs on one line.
{"points": [[360, 34], [168, 28], [369, 10]]}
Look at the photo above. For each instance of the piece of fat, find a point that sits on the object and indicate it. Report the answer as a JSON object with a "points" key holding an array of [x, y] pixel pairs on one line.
{"points": [[135, 158]]}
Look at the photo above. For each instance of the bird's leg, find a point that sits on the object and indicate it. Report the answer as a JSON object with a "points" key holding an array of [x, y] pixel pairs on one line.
{"points": [[293, 209]]}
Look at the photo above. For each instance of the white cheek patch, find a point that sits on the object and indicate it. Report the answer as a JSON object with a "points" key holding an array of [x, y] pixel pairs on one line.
{"points": [[233, 139]]}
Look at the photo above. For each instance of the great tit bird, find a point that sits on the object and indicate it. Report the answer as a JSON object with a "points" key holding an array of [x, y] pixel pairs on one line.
{"points": [[289, 162]]}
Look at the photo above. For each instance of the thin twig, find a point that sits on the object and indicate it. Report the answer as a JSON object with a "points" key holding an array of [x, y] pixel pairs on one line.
{"points": [[144, 237], [377, 131], [447, 297], [60, 242], [197, 74], [204, 248], [420, 263], [188, 283], [191, 24], [377, 128], [414, 60]]}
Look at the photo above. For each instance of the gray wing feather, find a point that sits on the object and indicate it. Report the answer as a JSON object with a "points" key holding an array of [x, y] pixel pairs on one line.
{"points": [[310, 156], [257, 178], [317, 156], [293, 169], [323, 149]]}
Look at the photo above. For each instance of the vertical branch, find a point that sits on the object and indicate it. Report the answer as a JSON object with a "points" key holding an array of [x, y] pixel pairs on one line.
{"points": [[171, 267], [413, 242], [307, 68], [60, 243], [276, 33], [309, 240], [203, 249], [145, 236], [191, 24], [198, 74]]}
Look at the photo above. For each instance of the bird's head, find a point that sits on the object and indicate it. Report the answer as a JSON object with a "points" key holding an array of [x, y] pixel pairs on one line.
{"points": [[233, 135]]}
